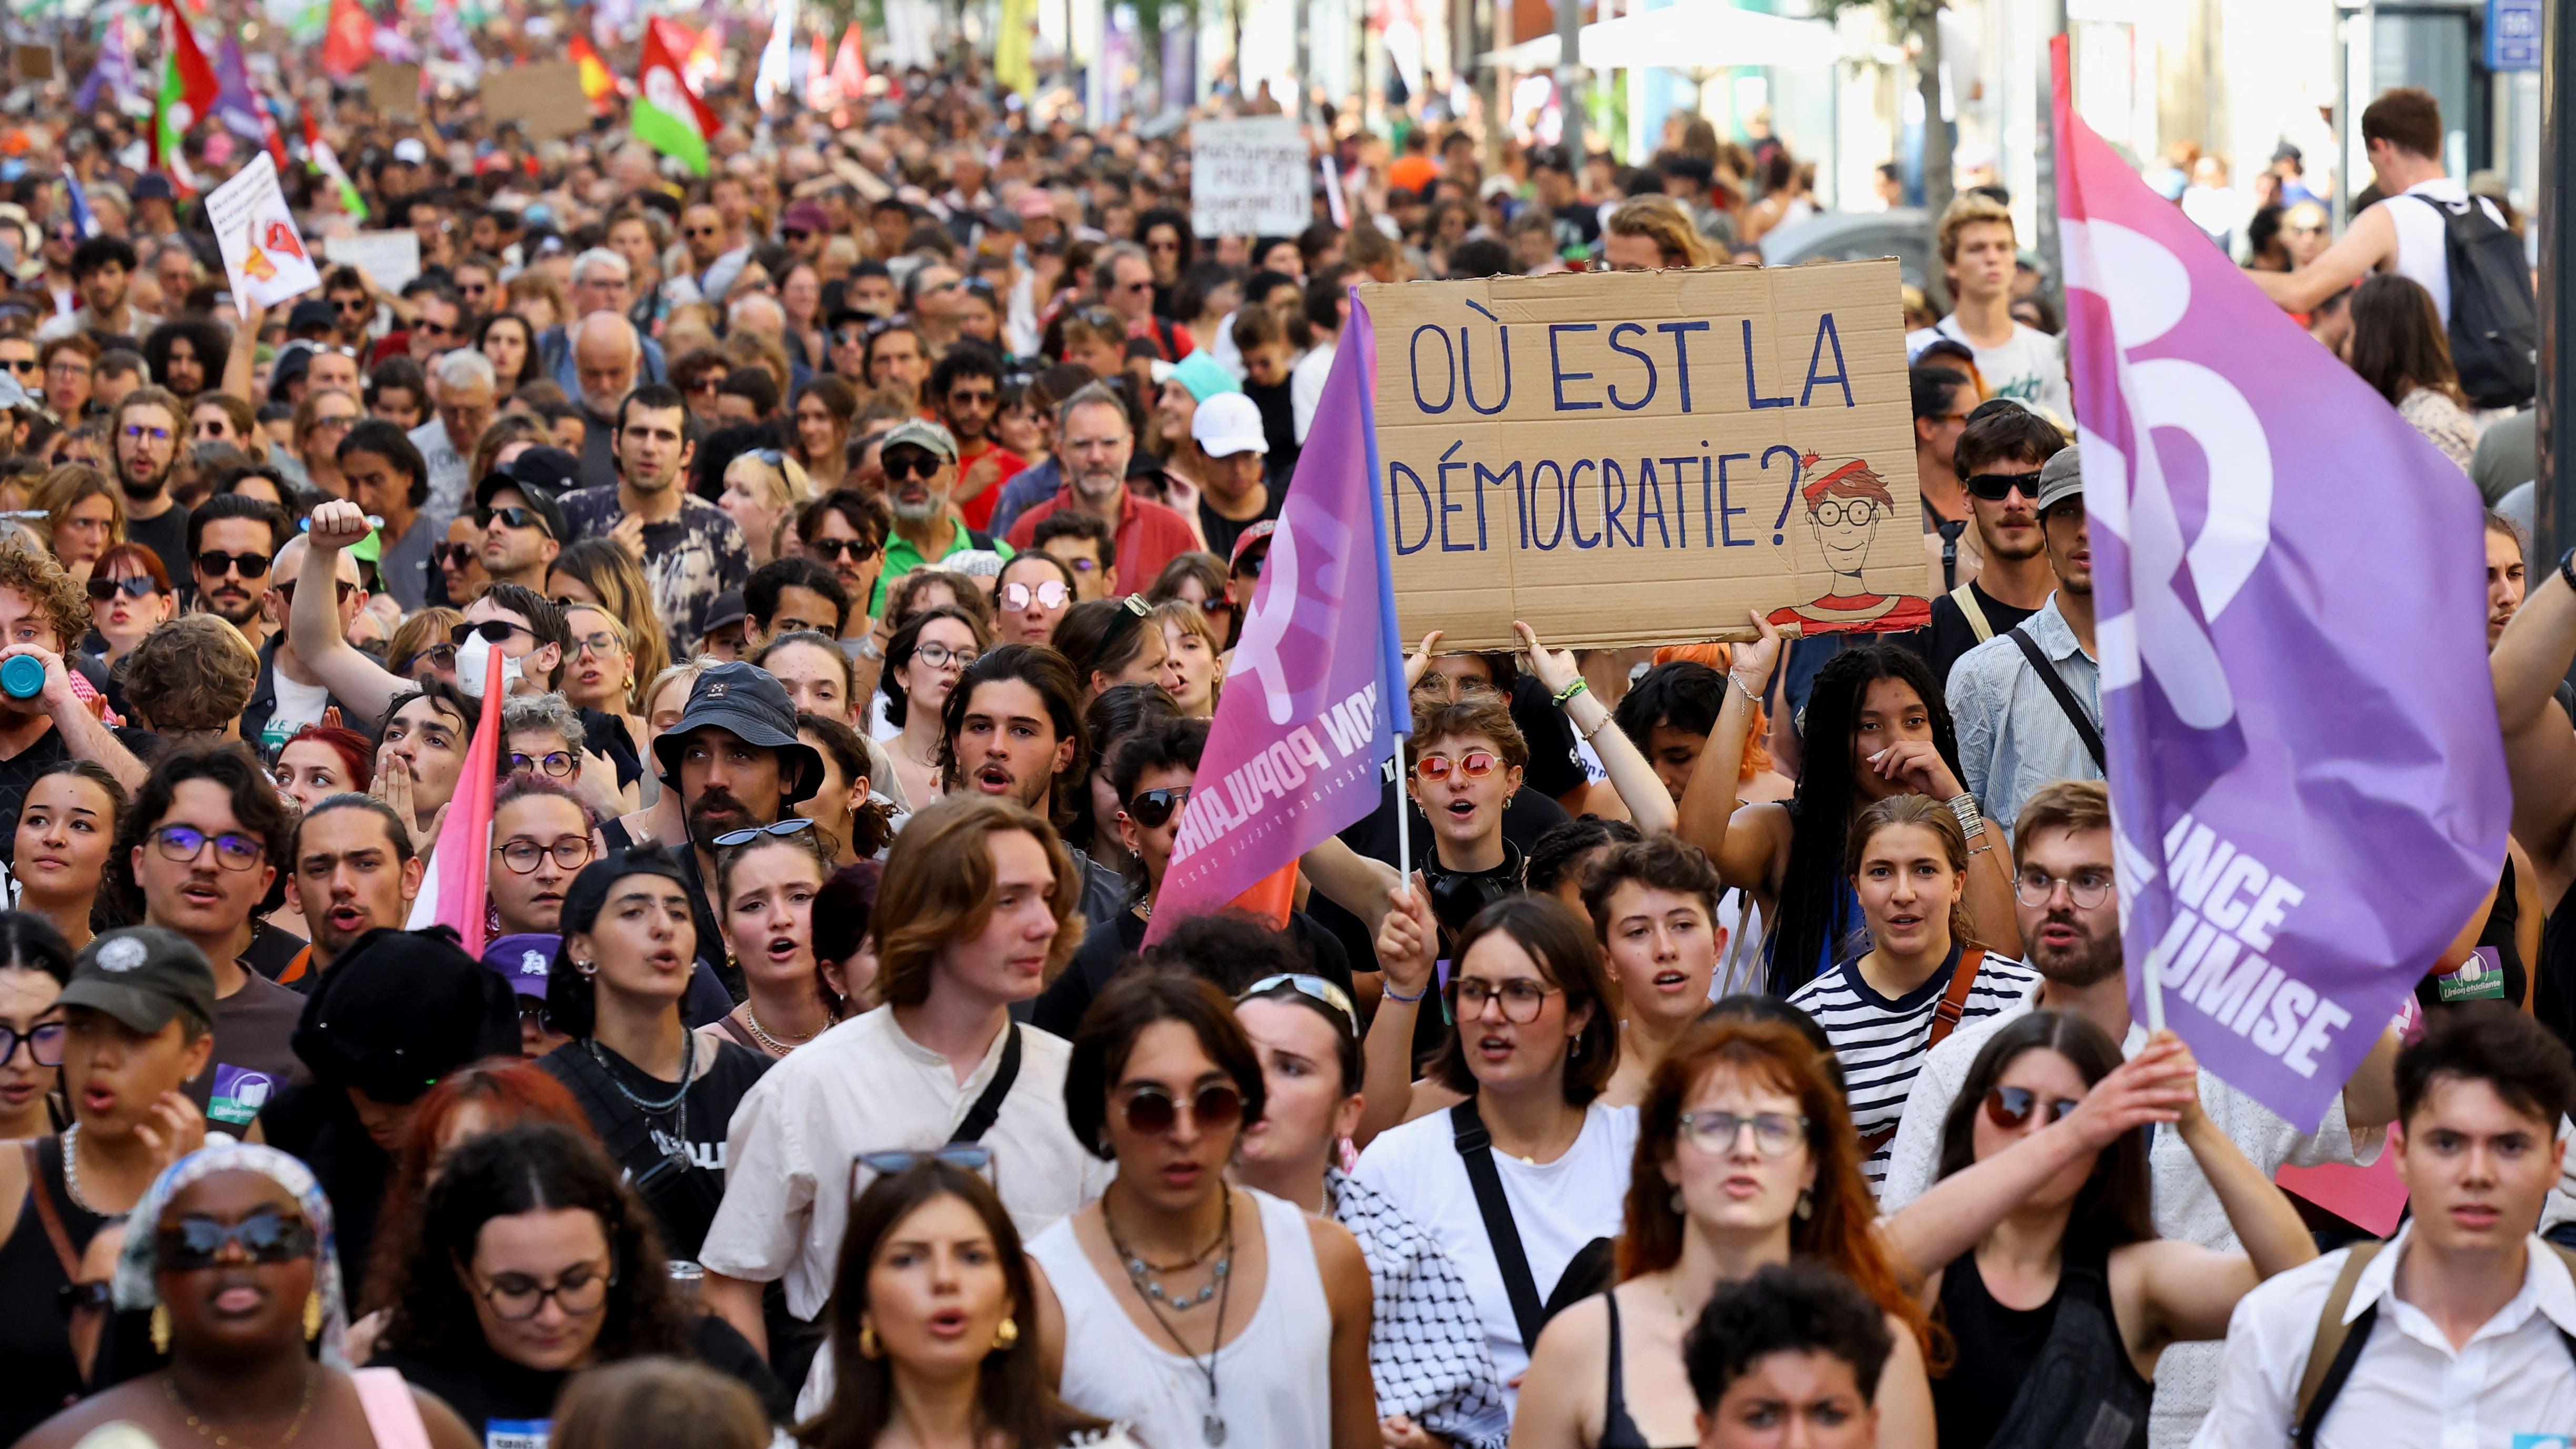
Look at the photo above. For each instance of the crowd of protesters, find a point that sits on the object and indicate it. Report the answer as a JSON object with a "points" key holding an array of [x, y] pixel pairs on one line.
{"points": [[855, 536]]}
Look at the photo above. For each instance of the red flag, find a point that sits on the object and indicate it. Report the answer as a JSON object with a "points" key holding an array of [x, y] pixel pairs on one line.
{"points": [[850, 66], [188, 91], [674, 41], [597, 85], [350, 41]]}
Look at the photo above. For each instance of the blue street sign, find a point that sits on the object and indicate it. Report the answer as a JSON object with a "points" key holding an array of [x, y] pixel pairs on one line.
{"points": [[2513, 35]]}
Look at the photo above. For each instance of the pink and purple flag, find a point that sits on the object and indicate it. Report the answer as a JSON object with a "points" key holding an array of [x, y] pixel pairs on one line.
{"points": [[1315, 696], [455, 890], [2307, 785]]}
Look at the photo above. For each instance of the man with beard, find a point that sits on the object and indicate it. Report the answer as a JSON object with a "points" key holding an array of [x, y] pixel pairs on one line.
{"points": [[1097, 443], [2067, 902], [231, 539], [350, 869], [1012, 728], [737, 764], [966, 391], [101, 268], [42, 613], [691, 550], [607, 356], [389, 481], [920, 462], [144, 430], [1997, 457]]}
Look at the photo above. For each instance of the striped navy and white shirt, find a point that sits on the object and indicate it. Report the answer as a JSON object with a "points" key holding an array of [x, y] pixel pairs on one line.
{"points": [[1881, 1040]]}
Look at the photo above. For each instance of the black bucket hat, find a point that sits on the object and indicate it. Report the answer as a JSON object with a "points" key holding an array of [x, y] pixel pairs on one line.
{"points": [[749, 702]]}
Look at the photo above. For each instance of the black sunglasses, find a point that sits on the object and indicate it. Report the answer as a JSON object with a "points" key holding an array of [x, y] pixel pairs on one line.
{"points": [[511, 516], [267, 1235], [213, 563], [286, 590], [1996, 487], [491, 631], [833, 550], [1153, 808], [455, 555], [135, 587]]}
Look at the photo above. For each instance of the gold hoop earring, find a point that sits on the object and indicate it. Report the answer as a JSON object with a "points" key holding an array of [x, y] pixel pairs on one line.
{"points": [[313, 1315], [868, 1346], [160, 1328], [1006, 1335]]}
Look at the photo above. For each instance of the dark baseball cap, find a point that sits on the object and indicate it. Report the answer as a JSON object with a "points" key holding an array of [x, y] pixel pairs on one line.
{"points": [[549, 468], [522, 960], [142, 976], [538, 500], [748, 702], [400, 1009]]}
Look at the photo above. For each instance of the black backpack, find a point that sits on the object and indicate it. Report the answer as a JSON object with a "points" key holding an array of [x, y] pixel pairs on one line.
{"points": [[2494, 329]]}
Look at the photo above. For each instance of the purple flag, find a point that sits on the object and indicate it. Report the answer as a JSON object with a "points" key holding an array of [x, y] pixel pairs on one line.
{"points": [[114, 70], [2307, 783], [1315, 696], [236, 104]]}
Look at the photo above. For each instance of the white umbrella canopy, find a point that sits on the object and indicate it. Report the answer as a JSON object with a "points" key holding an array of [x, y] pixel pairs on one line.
{"points": [[1692, 35]]}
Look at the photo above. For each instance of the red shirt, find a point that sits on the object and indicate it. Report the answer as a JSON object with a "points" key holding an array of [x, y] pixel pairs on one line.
{"points": [[979, 509], [1149, 536]]}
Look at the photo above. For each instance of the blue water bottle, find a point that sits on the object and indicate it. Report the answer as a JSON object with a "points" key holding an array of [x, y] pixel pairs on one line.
{"points": [[22, 676]]}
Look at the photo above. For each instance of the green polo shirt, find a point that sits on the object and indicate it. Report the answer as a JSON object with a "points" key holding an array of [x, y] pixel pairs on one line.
{"points": [[902, 558]]}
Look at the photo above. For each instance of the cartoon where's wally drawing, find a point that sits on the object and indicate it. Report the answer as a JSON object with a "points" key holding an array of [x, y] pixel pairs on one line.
{"points": [[1846, 504]]}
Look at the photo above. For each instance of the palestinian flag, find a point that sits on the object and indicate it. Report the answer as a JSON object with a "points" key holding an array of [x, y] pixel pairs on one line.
{"points": [[319, 155], [668, 116], [188, 92]]}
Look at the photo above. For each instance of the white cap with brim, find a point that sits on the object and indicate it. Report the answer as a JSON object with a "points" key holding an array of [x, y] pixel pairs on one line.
{"points": [[1227, 424]]}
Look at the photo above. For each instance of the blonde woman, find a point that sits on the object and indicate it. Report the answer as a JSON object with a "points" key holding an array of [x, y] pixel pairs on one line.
{"points": [[1190, 668], [599, 673], [601, 572], [763, 489], [84, 516], [1654, 233]]}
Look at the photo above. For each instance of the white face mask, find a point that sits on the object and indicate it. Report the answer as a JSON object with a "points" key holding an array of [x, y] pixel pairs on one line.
{"points": [[474, 666]]}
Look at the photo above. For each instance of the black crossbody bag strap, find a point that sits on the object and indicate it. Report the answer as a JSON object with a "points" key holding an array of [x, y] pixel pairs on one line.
{"points": [[2085, 729], [987, 1110], [1476, 1147]]}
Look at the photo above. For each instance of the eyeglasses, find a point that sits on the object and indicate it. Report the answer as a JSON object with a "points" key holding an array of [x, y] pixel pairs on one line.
{"points": [[970, 1156], [182, 844], [1314, 987], [1835, 512], [2013, 1106], [71, 366], [602, 644], [704, 382], [1522, 997], [910, 465], [1153, 808], [438, 656], [137, 432], [1775, 1134], [1996, 487], [701, 231], [833, 550], [491, 631], [1150, 1111], [1050, 594], [511, 517], [44, 1043], [1475, 765], [979, 398], [524, 856], [940, 656], [352, 306], [266, 1235], [214, 564], [558, 763], [748, 835], [516, 1297], [133, 587], [2088, 888]]}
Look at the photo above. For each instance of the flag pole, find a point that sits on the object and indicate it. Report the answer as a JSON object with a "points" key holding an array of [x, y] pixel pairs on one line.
{"points": [[1403, 819]]}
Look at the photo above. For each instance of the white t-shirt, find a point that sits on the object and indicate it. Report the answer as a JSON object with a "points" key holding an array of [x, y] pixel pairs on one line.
{"points": [[864, 1086], [1558, 1207], [1306, 387], [2030, 367], [298, 705], [2421, 256]]}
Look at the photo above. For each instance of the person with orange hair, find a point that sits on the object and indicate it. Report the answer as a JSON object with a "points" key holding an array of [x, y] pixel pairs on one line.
{"points": [[1846, 502], [1745, 1158]]}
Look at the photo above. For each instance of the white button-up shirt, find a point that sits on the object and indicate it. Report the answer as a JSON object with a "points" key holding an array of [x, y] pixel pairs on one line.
{"points": [[864, 1086], [2512, 1386]]}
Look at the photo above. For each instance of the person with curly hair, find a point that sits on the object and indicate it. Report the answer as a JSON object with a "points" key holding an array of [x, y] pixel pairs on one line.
{"points": [[43, 615], [189, 680]]}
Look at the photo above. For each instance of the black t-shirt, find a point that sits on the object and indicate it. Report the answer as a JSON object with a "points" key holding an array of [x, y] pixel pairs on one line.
{"points": [[35, 1341], [1577, 224], [645, 1143], [1109, 945], [1948, 636], [167, 536], [1555, 765], [509, 1405], [318, 1126], [1223, 531], [1279, 430]]}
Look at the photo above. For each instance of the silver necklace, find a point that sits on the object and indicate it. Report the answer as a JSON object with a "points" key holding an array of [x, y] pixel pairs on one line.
{"points": [[1220, 1282], [678, 1099], [71, 1172], [773, 1045]]}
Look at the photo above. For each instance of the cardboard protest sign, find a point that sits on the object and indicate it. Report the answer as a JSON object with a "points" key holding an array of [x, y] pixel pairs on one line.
{"points": [[33, 62], [264, 256], [1248, 177], [1644, 457], [546, 100], [393, 91], [391, 258]]}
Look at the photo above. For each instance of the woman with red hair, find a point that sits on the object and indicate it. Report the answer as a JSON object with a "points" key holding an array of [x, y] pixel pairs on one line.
{"points": [[321, 761], [1745, 1158]]}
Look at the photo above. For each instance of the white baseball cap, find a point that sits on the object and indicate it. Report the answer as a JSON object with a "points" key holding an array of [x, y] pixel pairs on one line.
{"points": [[1227, 424]]}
